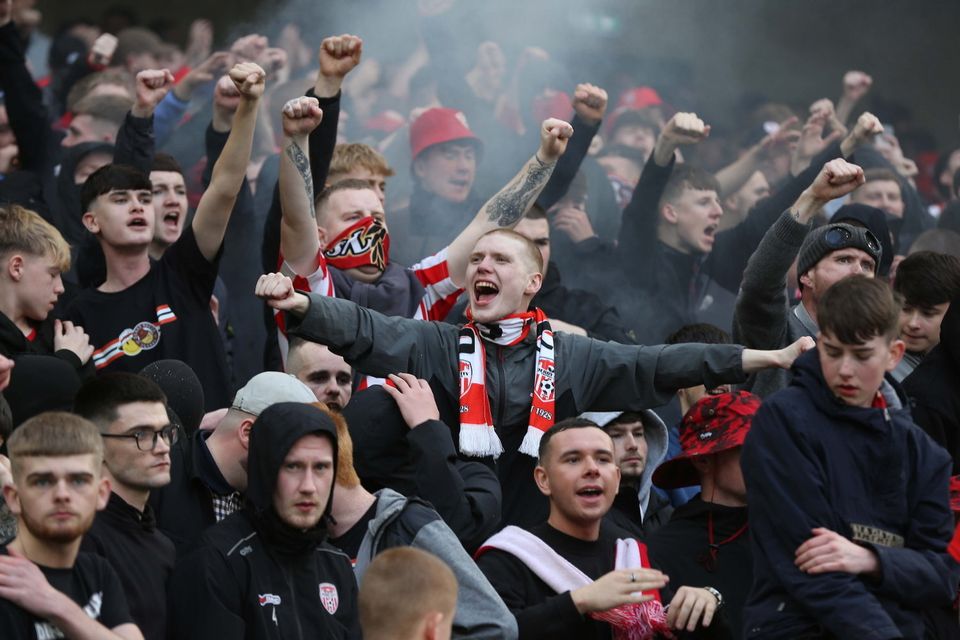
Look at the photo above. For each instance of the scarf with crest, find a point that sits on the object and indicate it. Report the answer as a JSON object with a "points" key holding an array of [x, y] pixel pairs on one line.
{"points": [[477, 434]]}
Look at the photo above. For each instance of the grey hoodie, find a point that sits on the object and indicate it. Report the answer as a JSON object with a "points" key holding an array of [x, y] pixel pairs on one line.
{"points": [[655, 433], [402, 521]]}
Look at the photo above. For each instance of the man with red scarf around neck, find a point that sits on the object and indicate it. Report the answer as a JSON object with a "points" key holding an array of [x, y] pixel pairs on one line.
{"points": [[506, 370]]}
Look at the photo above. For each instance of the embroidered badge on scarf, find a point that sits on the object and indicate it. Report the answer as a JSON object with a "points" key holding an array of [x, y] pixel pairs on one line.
{"points": [[477, 434], [362, 244]]}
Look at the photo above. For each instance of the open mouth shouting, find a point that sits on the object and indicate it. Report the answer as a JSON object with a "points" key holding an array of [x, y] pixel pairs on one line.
{"points": [[591, 494], [484, 292], [138, 222], [171, 219]]}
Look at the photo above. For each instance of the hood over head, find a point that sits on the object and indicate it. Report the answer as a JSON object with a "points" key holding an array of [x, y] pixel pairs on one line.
{"points": [[274, 433], [654, 432]]}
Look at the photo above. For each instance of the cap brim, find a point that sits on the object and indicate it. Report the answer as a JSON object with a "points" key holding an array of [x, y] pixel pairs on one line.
{"points": [[675, 473]]}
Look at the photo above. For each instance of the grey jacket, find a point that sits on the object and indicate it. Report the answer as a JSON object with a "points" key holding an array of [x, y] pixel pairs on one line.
{"points": [[763, 318], [591, 375], [401, 521]]}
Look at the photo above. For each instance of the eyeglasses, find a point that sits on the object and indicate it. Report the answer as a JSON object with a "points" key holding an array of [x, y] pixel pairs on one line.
{"points": [[840, 238], [147, 438]]}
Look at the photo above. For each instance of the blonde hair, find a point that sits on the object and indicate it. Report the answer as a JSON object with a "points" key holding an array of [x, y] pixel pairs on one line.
{"points": [[23, 230], [54, 434], [346, 474], [349, 156], [399, 588]]}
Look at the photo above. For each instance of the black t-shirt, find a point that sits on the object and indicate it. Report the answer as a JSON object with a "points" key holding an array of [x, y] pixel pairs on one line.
{"points": [[91, 583], [351, 540], [165, 314]]}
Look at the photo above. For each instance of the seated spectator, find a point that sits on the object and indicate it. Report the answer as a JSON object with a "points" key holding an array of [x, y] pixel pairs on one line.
{"points": [[569, 577], [34, 255], [706, 541], [51, 588], [146, 311], [824, 256], [639, 445], [504, 274], [273, 553], [407, 594], [877, 555], [926, 282], [364, 524], [209, 471], [131, 414], [933, 387]]}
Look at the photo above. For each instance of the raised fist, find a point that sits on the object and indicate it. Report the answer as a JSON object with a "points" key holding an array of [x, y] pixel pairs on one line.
{"points": [[837, 178], [590, 103], [226, 96], [201, 74], [868, 126], [300, 116], [101, 53], [339, 55], [152, 86], [272, 59], [249, 79], [685, 128], [248, 47], [72, 338], [199, 41], [856, 84], [554, 135], [277, 291]]}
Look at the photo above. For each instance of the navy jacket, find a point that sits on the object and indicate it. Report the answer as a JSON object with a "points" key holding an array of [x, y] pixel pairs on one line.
{"points": [[870, 475]]}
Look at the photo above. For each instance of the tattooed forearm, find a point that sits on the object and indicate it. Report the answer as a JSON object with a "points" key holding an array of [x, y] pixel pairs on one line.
{"points": [[509, 205], [302, 163]]}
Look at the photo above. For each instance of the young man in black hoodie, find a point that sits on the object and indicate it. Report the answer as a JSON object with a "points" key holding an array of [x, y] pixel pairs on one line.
{"points": [[267, 571], [131, 413], [849, 511]]}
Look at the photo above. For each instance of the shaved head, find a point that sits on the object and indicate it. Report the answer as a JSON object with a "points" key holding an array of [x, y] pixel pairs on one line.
{"points": [[528, 250]]}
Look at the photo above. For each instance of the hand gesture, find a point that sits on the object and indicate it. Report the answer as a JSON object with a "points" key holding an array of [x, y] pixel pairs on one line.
{"points": [[414, 398], [249, 79], [199, 41], [790, 353], [685, 128], [277, 291], [201, 74], [784, 138], [855, 85], [590, 103], [152, 85], [248, 47], [868, 126], [23, 584], [690, 607], [812, 140], [829, 551], [300, 116], [339, 55], [617, 588], [101, 53], [72, 338], [272, 60], [226, 99], [554, 135], [574, 222]]}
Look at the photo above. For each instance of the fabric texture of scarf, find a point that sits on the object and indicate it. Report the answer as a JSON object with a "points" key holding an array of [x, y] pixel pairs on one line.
{"points": [[362, 244], [477, 434]]}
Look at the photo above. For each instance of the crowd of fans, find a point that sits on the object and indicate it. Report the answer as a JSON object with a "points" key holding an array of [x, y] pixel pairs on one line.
{"points": [[291, 347]]}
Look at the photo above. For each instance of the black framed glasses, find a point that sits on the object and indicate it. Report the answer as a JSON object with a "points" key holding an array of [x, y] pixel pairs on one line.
{"points": [[146, 438], [842, 237]]}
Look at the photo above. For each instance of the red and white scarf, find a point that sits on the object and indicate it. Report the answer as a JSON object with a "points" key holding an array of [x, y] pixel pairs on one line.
{"points": [[359, 245], [637, 621], [477, 434]]}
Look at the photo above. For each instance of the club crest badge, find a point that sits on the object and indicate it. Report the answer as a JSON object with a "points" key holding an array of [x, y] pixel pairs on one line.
{"points": [[329, 597]]}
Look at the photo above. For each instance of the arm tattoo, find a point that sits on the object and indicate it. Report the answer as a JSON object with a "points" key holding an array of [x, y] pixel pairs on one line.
{"points": [[508, 206], [302, 163]]}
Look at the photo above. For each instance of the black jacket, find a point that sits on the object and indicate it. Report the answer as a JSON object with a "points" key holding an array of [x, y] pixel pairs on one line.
{"points": [[680, 548], [142, 557], [254, 576], [934, 388], [868, 474], [625, 513], [581, 308]]}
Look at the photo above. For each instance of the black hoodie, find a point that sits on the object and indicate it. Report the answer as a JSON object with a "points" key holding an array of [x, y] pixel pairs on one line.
{"points": [[254, 576]]}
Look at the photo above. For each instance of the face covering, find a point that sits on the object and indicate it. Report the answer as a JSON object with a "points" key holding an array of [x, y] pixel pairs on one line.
{"points": [[365, 243]]}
